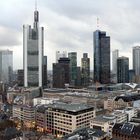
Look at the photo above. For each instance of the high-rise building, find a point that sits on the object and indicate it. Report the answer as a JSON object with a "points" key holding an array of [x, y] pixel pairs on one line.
{"points": [[20, 77], [60, 55], [85, 70], [61, 73], [123, 70], [44, 72], [33, 43], [131, 76], [115, 55], [101, 57], [73, 67], [6, 66], [136, 60]]}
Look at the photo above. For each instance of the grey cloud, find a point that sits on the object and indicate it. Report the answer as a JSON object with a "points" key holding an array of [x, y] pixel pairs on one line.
{"points": [[9, 37]]}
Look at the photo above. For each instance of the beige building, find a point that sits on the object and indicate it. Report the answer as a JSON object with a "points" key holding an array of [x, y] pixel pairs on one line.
{"points": [[104, 123], [61, 118], [25, 113]]}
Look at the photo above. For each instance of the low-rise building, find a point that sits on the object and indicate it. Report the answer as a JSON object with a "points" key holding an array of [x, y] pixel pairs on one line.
{"points": [[104, 123], [25, 113], [86, 134], [43, 100], [61, 118], [126, 131], [130, 111]]}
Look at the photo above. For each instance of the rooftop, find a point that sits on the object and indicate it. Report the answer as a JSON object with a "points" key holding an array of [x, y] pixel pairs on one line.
{"points": [[85, 134], [64, 106], [104, 118], [128, 98], [128, 129]]}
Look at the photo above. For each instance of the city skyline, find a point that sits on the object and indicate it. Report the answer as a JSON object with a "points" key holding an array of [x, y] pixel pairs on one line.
{"points": [[69, 26]]}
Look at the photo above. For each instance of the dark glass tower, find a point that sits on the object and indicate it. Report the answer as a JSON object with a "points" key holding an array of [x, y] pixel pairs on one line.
{"points": [[123, 70], [73, 67], [44, 78], [85, 70], [61, 73], [101, 57]]}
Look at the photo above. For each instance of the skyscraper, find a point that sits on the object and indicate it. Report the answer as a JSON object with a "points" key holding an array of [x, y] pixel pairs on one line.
{"points": [[123, 70], [6, 66], [136, 60], [73, 67], [101, 57], [115, 55], [85, 70], [61, 73], [44, 82], [33, 43]]}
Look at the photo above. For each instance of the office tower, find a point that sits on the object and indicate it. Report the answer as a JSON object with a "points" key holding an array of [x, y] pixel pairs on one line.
{"points": [[20, 77], [6, 66], [136, 60], [61, 73], [85, 70], [73, 67], [123, 70], [33, 43], [78, 80], [131, 76], [115, 55], [60, 55], [44, 71], [101, 57]]}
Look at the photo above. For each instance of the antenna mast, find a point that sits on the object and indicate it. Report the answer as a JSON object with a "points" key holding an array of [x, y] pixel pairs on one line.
{"points": [[35, 5], [97, 22]]}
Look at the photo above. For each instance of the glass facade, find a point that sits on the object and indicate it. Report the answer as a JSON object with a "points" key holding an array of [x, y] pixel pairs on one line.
{"points": [[123, 70], [73, 67], [85, 70], [101, 57], [33, 53], [6, 66]]}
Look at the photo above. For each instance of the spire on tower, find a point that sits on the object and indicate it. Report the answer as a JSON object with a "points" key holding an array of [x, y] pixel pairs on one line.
{"points": [[97, 22], [35, 5]]}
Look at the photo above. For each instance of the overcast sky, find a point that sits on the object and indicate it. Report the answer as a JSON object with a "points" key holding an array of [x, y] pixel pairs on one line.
{"points": [[69, 25]]}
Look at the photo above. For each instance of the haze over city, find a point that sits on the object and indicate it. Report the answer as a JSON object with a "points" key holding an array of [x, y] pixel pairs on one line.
{"points": [[69, 26]]}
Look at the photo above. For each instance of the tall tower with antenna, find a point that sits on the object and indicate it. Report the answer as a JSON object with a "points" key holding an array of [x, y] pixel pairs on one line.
{"points": [[33, 44]]}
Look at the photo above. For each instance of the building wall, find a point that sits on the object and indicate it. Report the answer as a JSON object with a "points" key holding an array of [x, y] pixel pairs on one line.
{"points": [[33, 43], [123, 70], [85, 78], [73, 67], [136, 60], [6, 66], [101, 57]]}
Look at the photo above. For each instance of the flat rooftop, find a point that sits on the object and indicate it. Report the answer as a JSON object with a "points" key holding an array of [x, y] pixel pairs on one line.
{"points": [[66, 107], [70, 107], [104, 118]]}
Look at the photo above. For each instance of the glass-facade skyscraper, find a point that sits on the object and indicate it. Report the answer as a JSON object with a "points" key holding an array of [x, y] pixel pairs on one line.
{"points": [[85, 77], [61, 73], [123, 70], [136, 60], [101, 57], [33, 43], [73, 67], [6, 66]]}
